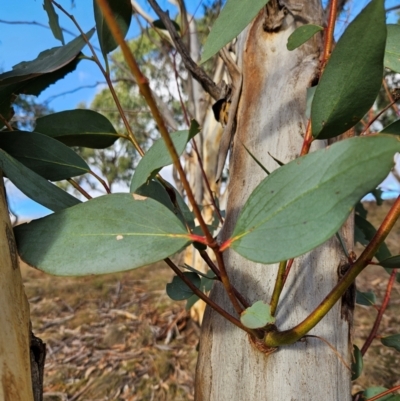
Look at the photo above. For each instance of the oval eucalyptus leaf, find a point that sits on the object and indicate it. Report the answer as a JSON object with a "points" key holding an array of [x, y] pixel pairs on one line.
{"points": [[34, 186], [301, 35], [358, 363], [302, 204], [160, 25], [104, 235], [178, 290], [393, 129], [353, 75], [44, 155], [392, 341], [53, 21], [257, 315], [47, 62], [365, 298], [234, 17], [391, 263], [364, 232], [158, 156], [392, 52], [85, 128], [122, 13]]}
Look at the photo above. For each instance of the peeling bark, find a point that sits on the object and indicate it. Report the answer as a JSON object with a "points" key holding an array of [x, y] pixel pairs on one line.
{"points": [[271, 118]]}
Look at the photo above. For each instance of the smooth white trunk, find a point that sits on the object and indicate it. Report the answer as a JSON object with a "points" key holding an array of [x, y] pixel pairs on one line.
{"points": [[271, 118]]}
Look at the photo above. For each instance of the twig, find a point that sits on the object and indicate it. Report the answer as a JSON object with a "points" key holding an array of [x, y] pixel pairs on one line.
{"points": [[391, 99], [379, 317], [329, 33], [79, 188], [206, 299], [107, 78], [279, 282], [197, 72], [147, 94], [102, 182], [214, 268], [366, 128]]}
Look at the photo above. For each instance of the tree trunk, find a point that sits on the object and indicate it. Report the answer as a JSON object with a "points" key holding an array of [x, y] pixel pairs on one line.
{"points": [[271, 119], [15, 358]]}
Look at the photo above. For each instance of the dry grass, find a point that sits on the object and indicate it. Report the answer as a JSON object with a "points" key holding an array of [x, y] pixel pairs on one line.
{"points": [[115, 337], [119, 337]]}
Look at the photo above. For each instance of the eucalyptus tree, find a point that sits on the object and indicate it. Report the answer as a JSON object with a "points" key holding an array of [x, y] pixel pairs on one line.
{"points": [[282, 267]]}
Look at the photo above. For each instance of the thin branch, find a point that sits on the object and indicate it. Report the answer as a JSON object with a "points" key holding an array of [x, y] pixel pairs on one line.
{"points": [[379, 317], [79, 188], [197, 72], [388, 10], [329, 32], [131, 135], [279, 282], [102, 182], [206, 299], [387, 107], [214, 268], [146, 92]]}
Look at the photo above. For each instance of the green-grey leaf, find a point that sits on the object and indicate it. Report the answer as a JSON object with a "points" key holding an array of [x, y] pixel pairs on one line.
{"points": [[158, 156], [353, 75], [393, 129], [44, 155], [85, 128], [364, 232], [365, 298], [302, 204], [48, 61], [374, 391], [257, 315], [301, 35], [53, 20], [104, 235], [391, 263], [122, 13], [392, 341], [358, 363], [234, 17], [178, 290], [392, 53], [34, 186]]}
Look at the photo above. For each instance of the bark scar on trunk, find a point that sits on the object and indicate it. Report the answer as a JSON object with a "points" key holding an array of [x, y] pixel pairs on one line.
{"points": [[12, 248]]}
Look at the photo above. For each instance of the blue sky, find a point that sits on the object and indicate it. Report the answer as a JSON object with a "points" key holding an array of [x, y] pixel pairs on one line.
{"points": [[24, 42]]}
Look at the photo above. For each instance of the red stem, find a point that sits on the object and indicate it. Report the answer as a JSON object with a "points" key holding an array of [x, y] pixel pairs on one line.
{"points": [[379, 317], [329, 33]]}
